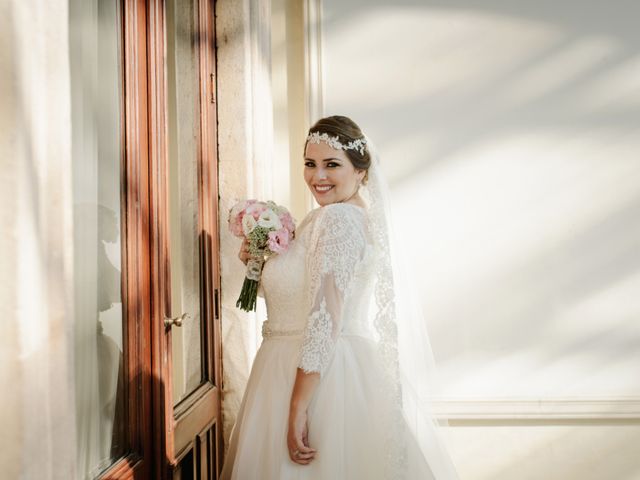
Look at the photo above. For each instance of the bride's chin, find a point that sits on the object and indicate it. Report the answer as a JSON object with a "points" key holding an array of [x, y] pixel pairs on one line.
{"points": [[325, 199], [322, 201]]}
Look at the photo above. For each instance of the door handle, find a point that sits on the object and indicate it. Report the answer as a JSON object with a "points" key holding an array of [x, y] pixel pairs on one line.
{"points": [[177, 321]]}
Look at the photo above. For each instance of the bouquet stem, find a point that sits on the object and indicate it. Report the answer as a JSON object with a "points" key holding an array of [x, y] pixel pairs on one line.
{"points": [[249, 293]]}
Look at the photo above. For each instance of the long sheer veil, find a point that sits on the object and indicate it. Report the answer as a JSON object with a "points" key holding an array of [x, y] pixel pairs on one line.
{"points": [[403, 340]]}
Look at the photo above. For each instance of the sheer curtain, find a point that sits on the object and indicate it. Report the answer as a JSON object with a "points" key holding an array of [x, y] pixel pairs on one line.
{"points": [[95, 45], [37, 434]]}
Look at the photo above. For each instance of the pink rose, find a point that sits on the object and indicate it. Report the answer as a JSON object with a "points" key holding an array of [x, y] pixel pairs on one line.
{"points": [[279, 240], [287, 222], [236, 214]]}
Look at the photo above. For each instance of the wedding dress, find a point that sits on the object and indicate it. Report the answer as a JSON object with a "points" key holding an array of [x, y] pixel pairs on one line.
{"points": [[319, 301]]}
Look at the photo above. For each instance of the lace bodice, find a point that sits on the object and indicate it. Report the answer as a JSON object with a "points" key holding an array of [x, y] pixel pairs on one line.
{"points": [[321, 287]]}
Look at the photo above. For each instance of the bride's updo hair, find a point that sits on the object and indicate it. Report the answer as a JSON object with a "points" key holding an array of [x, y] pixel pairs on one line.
{"points": [[347, 131]]}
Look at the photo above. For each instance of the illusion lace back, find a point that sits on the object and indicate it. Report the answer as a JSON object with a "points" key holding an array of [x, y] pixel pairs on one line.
{"points": [[318, 296]]}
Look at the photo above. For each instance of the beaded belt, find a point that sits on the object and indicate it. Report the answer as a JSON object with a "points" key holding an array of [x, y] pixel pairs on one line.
{"points": [[268, 332]]}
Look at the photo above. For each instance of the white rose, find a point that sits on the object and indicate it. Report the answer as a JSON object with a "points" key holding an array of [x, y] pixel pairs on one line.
{"points": [[255, 206], [269, 219], [248, 224]]}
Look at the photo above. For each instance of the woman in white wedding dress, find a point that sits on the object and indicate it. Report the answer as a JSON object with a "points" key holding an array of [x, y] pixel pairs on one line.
{"points": [[323, 400]]}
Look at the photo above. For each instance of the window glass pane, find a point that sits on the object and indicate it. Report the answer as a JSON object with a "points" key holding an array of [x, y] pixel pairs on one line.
{"points": [[183, 102], [96, 81]]}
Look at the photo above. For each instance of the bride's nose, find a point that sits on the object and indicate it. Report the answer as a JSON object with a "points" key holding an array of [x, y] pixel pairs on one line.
{"points": [[320, 175]]}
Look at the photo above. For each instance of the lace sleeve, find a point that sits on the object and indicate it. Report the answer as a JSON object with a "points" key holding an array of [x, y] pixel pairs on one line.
{"points": [[336, 245]]}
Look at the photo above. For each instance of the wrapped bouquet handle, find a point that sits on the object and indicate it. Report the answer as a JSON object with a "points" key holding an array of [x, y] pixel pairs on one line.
{"points": [[268, 229], [254, 269], [249, 293]]}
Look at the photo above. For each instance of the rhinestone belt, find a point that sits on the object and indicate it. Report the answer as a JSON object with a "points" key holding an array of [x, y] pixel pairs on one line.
{"points": [[268, 332]]}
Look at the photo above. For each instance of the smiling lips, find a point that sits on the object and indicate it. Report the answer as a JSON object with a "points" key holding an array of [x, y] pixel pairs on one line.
{"points": [[323, 188]]}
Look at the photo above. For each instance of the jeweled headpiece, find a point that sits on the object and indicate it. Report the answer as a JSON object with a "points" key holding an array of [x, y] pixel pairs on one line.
{"points": [[334, 142]]}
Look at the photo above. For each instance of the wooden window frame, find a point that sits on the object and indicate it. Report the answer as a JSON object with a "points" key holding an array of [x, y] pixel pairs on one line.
{"points": [[136, 255]]}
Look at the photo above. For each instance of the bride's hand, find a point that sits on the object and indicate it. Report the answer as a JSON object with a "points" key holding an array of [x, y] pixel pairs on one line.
{"points": [[244, 251], [297, 439]]}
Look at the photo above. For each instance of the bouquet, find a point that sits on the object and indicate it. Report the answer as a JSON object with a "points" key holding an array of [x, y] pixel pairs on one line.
{"points": [[268, 228]]}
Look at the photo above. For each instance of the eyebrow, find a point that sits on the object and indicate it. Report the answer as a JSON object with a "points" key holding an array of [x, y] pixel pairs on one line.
{"points": [[325, 160]]}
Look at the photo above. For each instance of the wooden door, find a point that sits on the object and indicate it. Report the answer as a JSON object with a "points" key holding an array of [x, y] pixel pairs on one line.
{"points": [[167, 408], [184, 232]]}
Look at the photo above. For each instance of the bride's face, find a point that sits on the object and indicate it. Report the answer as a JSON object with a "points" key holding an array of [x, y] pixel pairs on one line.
{"points": [[330, 174]]}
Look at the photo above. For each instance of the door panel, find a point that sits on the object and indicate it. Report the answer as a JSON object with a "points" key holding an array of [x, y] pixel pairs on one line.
{"points": [[184, 192]]}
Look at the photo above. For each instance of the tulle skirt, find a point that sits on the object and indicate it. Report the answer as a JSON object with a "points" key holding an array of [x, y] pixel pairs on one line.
{"points": [[344, 418]]}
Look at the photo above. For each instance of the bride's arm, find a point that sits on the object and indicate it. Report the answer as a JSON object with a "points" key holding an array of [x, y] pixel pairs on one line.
{"points": [[303, 388], [336, 247]]}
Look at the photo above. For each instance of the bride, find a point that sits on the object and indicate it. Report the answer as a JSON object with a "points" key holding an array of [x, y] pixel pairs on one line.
{"points": [[333, 393]]}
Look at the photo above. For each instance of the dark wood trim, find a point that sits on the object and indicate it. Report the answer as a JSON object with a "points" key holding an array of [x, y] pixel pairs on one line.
{"points": [[160, 302], [134, 197], [174, 426], [209, 211], [183, 408], [130, 467], [204, 168], [209, 82], [206, 407], [209, 189]]}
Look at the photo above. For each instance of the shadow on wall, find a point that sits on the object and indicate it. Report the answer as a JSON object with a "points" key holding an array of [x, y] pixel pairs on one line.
{"points": [[574, 79], [478, 109], [507, 89]]}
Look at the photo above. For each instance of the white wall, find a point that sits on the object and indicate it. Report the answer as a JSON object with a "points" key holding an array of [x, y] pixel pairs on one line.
{"points": [[262, 122], [512, 129], [243, 103], [290, 113]]}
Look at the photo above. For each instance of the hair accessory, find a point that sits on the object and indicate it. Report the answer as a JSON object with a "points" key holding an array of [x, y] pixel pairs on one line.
{"points": [[334, 142]]}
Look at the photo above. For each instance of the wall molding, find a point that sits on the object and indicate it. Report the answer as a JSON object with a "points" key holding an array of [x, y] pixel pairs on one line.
{"points": [[314, 73], [313, 59], [260, 113], [542, 408]]}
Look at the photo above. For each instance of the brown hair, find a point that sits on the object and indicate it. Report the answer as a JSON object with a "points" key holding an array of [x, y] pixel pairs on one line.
{"points": [[347, 131]]}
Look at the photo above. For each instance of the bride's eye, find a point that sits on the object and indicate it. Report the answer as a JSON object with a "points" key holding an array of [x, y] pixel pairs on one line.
{"points": [[333, 164], [309, 164]]}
